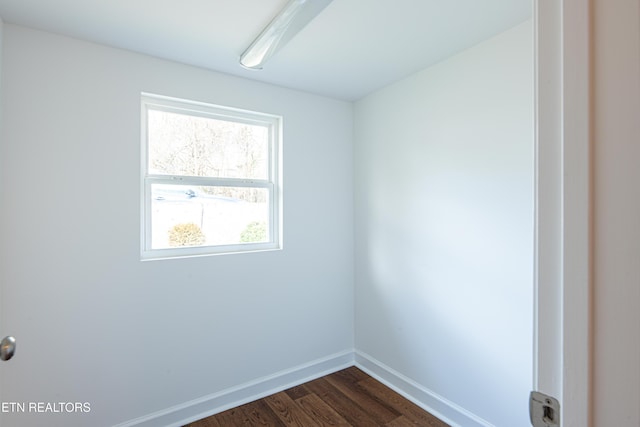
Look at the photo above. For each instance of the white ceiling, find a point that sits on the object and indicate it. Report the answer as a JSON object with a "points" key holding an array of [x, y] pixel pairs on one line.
{"points": [[348, 51]]}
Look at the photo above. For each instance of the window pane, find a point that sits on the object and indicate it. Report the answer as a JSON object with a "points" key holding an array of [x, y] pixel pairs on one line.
{"points": [[183, 215], [198, 146]]}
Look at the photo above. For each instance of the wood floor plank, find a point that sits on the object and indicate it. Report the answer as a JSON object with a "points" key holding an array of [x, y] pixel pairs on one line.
{"points": [[288, 411], [323, 414], [347, 398], [297, 392], [260, 414], [401, 422], [374, 407], [233, 418], [407, 408], [348, 409]]}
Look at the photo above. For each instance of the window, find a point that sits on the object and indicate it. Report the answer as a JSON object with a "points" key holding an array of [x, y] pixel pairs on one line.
{"points": [[210, 179]]}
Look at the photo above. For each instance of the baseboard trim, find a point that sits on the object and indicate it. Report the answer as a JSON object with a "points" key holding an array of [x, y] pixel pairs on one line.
{"points": [[203, 407], [433, 403], [194, 410]]}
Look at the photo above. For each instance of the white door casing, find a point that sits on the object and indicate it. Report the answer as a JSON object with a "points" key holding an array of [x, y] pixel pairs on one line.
{"points": [[562, 340]]}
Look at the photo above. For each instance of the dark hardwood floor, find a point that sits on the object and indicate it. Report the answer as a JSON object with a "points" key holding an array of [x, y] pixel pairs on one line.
{"points": [[346, 398]]}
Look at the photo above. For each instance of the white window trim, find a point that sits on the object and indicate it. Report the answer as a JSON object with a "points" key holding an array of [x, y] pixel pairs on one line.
{"points": [[273, 184]]}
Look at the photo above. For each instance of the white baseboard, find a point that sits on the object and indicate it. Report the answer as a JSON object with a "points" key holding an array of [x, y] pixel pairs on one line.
{"points": [[226, 399], [203, 407], [440, 407]]}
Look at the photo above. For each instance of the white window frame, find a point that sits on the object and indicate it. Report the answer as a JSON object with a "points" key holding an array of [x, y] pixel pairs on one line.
{"points": [[272, 184]]}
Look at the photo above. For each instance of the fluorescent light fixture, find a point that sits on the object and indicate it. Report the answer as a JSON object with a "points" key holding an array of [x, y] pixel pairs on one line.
{"points": [[294, 17]]}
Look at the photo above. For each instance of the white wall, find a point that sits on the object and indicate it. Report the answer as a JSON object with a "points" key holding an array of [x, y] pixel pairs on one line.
{"points": [[1, 37], [616, 127], [2, 317], [444, 232], [94, 323]]}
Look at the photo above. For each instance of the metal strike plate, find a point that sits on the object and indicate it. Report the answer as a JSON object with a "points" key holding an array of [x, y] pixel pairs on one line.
{"points": [[544, 411]]}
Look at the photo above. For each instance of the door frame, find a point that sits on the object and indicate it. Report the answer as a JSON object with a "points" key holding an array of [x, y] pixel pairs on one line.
{"points": [[563, 207]]}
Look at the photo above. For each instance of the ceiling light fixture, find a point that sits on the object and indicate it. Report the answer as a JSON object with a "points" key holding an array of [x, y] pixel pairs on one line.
{"points": [[294, 17]]}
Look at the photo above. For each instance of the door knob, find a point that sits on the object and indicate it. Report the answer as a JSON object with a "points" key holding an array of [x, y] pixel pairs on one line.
{"points": [[7, 348]]}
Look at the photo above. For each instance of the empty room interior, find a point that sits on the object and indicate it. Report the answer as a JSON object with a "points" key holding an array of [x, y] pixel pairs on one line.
{"points": [[389, 225]]}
